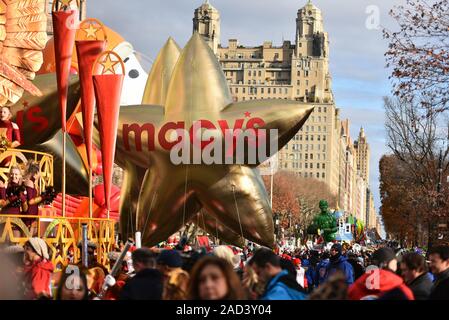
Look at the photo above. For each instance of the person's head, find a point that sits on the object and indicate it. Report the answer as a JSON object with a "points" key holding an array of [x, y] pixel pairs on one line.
{"points": [[266, 264], [73, 284], [143, 259], [336, 250], [15, 175], [439, 259], [35, 249], [32, 171], [412, 266], [385, 258], [5, 114], [168, 260], [226, 253], [297, 262], [213, 278]]}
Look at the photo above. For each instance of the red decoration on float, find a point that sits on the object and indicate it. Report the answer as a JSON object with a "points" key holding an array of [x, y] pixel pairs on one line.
{"points": [[88, 51], [64, 30], [108, 88]]}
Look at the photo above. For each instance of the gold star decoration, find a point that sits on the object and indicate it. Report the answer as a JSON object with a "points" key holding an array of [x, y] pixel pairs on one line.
{"points": [[233, 196], [108, 64], [91, 32]]}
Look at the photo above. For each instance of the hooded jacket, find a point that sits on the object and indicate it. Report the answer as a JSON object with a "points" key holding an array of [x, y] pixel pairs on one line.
{"points": [[37, 279], [283, 287], [341, 264], [366, 286]]}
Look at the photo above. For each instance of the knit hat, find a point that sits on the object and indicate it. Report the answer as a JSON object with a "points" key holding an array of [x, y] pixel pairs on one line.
{"points": [[40, 247], [170, 258], [296, 261], [383, 256]]}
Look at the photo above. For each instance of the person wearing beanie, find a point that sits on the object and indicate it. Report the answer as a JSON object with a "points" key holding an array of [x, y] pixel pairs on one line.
{"points": [[38, 270], [339, 263], [176, 280], [321, 269], [380, 280]]}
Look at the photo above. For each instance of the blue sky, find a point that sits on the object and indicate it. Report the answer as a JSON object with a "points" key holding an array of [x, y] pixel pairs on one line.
{"points": [[357, 63]]}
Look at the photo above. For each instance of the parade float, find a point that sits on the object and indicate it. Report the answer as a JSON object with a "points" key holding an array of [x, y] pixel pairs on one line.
{"points": [[80, 115]]}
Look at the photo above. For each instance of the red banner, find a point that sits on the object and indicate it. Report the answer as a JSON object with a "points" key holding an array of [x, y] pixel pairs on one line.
{"points": [[108, 89], [88, 51], [64, 30]]}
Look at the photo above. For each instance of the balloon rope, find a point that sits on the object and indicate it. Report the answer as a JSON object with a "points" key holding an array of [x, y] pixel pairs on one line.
{"points": [[185, 200], [148, 216], [216, 229], [237, 208]]}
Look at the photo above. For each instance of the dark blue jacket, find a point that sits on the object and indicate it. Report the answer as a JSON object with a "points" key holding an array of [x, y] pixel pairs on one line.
{"points": [[341, 264], [283, 287]]}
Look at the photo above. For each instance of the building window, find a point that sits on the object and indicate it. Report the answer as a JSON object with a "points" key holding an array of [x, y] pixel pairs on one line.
{"points": [[311, 137], [325, 109], [262, 90], [299, 73], [307, 137], [260, 73], [318, 153], [307, 83], [244, 90], [317, 175], [298, 82], [323, 175], [306, 73], [311, 156], [305, 175], [243, 98], [319, 137], [249, 73], [269, 90], [317, 165], [297, 92], [306, 165], [286, 91], [324, 138], [307, 157], [254, 73], [311, 166], [324, 166], [236, 90], [274, 90], [319, 109]]}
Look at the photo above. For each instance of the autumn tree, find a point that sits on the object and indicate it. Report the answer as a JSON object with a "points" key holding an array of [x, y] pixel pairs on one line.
{"points": [[419, 145], [419, 53], [296, 199]]}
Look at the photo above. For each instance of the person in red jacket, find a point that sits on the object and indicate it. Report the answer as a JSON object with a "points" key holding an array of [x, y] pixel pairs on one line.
{"points": [[38, 270], [380, 280]]}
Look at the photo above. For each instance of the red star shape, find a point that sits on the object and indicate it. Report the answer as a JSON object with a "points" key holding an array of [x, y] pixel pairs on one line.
{"points": [[247, 114]]}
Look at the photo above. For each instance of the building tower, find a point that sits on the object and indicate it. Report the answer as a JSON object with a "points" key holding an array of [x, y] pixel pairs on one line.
{"points": [[206, 22], [363, 155], [310, 65]]}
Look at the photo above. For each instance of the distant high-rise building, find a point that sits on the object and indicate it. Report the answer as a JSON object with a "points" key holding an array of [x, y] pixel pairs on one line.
{"points": [[363, 154]]}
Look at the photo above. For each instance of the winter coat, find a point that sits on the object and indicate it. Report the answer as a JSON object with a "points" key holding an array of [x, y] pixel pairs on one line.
{"points": [[283, 287], [145, 285], [342, 265], [37, 278], [421, 287], [366, 287], [440, 289]]}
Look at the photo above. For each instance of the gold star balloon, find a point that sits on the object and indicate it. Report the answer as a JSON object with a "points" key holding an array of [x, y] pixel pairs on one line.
{"points": [[172, 194]]}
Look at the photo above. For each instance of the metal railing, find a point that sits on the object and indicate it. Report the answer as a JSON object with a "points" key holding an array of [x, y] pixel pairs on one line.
{"points": [[62, 236]]}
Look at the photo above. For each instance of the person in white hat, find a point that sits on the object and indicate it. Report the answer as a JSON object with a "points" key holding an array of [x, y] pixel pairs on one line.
{"points": [[38, 270]]}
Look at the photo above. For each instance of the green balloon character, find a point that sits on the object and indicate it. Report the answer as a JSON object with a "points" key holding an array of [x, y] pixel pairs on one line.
{"points": [[324, 224]]}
